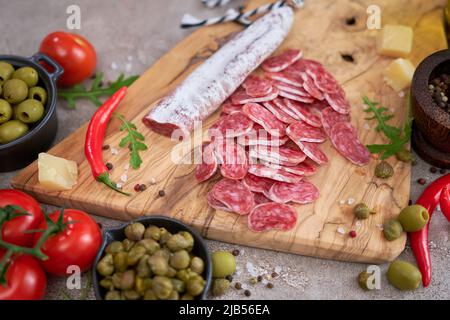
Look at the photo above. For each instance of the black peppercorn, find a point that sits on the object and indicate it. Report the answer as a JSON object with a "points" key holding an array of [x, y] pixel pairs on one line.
{"points": [[109, 166], [247, 293], [161, 193]]}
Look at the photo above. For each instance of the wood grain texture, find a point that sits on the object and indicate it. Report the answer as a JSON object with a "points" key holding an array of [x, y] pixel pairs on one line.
{"points": [[321, 31]]}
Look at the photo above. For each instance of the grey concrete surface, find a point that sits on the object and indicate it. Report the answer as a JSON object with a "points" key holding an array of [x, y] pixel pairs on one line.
{"points": [[131, 35]]}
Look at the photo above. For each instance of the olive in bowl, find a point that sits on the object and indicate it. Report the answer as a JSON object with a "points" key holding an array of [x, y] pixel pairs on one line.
{"points": [[28, 97], [153, 258]]}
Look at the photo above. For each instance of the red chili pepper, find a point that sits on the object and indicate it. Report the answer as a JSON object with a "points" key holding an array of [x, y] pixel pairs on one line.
{"points": [[445, 202], [419, 240], [93, 148]]}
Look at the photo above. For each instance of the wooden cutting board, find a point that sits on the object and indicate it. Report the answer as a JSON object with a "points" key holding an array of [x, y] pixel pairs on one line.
{"points": [[324, 31]]}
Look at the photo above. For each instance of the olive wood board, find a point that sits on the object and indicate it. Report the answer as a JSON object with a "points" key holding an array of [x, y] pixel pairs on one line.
{"points": [[324, 30]]}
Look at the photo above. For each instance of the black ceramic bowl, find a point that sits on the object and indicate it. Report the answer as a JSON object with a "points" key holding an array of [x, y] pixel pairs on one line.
{"points": [[21, 152], [173, 226]]}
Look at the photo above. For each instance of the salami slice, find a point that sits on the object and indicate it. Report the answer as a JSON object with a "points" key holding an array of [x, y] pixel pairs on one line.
{"points": [[281, 154], [324, 81], [330, 117], [272, 216], [265, 118], [274, 174], [294, 80], [285, 87], [301, 169], [311, 87], [304, 113], [234, 195], [280, 103], [295, 97], [260, 198], [233, 159], [282, 61], [257, 87], [208, 166], [278, 113], [216, 204], [344, 138], [231, 126], [241, 97], [258, 184], [313, 151], [229, 108], [259, 136], [301, 131], [303, 192], [303, 65], [265, 158], [338, 102]]}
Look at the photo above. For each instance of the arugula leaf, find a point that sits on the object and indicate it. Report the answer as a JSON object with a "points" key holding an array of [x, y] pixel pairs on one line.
{"points": [[96, 90], [133, 140], [398, 137]]}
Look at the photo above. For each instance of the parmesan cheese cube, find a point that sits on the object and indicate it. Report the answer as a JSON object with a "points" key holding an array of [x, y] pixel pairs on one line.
{"points": [[56, 174], [399, 74], [396, 41]]}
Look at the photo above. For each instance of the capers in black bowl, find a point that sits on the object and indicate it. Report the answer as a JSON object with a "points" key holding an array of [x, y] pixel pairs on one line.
{"points": [[154, 258]]}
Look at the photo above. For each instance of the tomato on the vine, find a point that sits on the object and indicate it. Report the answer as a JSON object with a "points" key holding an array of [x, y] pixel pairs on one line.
{"points": [[74, 53], [25, 279], [14, 231], [77, 244]]}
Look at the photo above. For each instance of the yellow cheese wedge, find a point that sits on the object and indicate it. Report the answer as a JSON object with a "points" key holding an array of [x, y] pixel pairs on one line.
{"points": [[56, 174], [399, 74], [395, 41]]}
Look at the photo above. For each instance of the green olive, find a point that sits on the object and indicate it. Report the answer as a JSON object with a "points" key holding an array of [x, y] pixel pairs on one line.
{"points": [[12, 130], [164, 235], [152, 232], [106, 265], [162, 287], [150, 245], [39, 94], [135, 255], [120, 261], [113, 295], [403, 275], [363, 279], [131, 295], [195, 285], [6, 111], [127, 280], [163, 254], [224, 264], [158, 265], [384, 170], [189, 238], [128, 244], [171, 272], [174, 295], [143, 268], [187, 296], [178, 285], [139, 285], [404, 156], [107, 283], [180, 260], [150, 295], [392, 229], [177, 242], [27, 75], [15, 91], [220, 286], [29, 111], [183, 275], [197, 265], [414, 218], [6, 71], [114, 247], [135, 231]]}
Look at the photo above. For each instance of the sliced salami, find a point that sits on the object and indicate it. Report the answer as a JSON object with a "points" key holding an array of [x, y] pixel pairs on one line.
{"points": [[324, 81], [294, 80], [257, 87], [265, 158], [234, 195], [231, 126], [229, 108], [295, 97], [304, 65], [278, 113], [301, 131], [258, 184], [311, 87], [285, 87], [259, 136], [272, 216], [208, 166], [344, 138], [303, 192], [282, 61], [338, 102], [304, 113], [313, 151], [233, 159], [280, 103], [216, 204], [274, 174], [301, 169], [241, 97], [330, 117], [265, 118], [283, 154], [260, 198]]}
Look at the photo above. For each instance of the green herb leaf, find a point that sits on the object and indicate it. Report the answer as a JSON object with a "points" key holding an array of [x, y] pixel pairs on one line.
{"points": [[96, 91], [133, 140], [397, 137]]}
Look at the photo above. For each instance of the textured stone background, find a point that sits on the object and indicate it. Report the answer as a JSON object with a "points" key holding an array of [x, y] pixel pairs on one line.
{"points": [[130, 35]]}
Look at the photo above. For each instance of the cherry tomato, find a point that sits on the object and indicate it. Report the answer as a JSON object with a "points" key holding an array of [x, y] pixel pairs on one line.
{"points": [[25, 279], [14, 231], [77, 244], [74, 53]]}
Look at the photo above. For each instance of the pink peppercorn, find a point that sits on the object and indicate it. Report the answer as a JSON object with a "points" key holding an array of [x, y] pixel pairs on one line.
{"points": [[352, 234]]}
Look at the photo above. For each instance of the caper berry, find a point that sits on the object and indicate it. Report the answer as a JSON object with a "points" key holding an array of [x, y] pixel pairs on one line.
{"points": [[362, 211], [384, 170], [135, 231], [220, 286], [392, 229], [404, 156]]}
